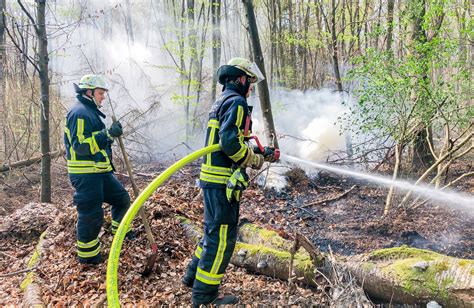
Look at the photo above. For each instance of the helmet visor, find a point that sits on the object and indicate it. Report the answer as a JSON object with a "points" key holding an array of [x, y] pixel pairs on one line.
{"points": [[257, 74]]}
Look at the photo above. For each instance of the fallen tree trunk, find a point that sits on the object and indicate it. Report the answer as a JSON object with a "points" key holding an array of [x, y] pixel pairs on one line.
{"points": [[412, 276], [397, 275], [30, 285], [30, 161], [268, 254], [265, 260]]}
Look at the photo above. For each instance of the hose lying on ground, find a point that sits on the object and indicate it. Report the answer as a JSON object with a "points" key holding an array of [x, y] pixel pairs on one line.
{"points": [[116, 247]]}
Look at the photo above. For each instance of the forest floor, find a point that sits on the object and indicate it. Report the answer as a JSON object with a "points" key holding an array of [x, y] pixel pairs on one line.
{"points": [[350, 225]]}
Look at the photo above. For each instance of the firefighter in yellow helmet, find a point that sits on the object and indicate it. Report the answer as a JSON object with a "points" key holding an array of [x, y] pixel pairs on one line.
{"points": [[89, 163], [229, 126]]}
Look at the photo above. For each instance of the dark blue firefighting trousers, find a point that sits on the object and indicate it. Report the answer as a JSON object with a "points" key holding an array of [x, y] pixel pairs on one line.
{"points": [[213, 253], [91, 191]]}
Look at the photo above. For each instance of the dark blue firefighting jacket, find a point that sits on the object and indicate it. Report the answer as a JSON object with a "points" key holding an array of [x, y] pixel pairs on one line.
{"points": [[229, 126], [88, 145]]}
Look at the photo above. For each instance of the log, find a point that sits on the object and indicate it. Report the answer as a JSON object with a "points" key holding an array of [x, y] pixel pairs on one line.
{"points": [[265, 260], [30, 161], [402, 275], [414, 276], [30, 285]]}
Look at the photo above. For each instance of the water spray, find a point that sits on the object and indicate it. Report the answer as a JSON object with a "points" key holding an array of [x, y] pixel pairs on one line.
{"points": [[453, 199]]}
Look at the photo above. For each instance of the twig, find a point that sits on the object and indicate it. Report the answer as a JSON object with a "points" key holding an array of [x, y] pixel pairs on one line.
{"points": [[330, 199], [293, 250], [19, 272], [331, 256], [7, 255], [147, 175], [31, 182], [27, 13], [307, 211]]}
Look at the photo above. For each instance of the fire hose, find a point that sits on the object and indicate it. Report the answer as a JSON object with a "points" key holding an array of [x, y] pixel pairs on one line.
{"points": [[116, 247]]}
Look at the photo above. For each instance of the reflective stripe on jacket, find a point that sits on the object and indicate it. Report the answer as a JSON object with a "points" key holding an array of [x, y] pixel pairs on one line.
{"points": [[227, 123], [88, 146]]}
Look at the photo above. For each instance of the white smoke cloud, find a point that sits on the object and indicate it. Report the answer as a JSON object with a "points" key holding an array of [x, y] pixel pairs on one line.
{"points": [[143, 73], [306, 121]]}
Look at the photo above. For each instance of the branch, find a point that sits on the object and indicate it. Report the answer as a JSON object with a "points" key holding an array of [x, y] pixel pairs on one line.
{"points": [[414, 205], [19, 272], [33, 21], [35, 66], [330, 199], [31, 161], [458, 179], [430, 145], [439, 161]]}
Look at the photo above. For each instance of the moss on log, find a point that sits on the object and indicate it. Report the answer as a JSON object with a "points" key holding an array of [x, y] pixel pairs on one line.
{"points": [[273, 263], [412, 276], [398, 275], [262, 259], [253, 234], [30, 286]]}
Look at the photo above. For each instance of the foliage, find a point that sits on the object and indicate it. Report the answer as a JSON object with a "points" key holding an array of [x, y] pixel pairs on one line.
{"points": [[426, 86]]}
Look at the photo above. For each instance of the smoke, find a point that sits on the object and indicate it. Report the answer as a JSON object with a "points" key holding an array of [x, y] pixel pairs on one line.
{"points": [[145, 84], [307, 122], [146, 88]]}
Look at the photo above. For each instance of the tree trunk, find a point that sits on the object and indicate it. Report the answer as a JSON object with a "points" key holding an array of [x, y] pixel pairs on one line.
{"points": [[305, 50], [421, 154], [44, 81], [128, 23], [291, 45], [216, 43], [388, 201], [263, 85], [275, 252], [395, 275], [3, 104], [414, 276], [335, 55], [200, 50], [390, 6]]}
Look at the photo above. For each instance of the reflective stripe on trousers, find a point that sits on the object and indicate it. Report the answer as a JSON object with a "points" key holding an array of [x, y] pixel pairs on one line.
{"points": [[216, 248]]}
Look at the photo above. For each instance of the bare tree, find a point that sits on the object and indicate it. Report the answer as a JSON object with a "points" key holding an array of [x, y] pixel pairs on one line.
{"points": [[390, 6], [216, 42], [40, 64], [262, 86], [3, 109]]}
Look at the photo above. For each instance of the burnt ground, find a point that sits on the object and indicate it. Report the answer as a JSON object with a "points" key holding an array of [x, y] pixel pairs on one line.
{"points": [[354, 223], [350, 225]]}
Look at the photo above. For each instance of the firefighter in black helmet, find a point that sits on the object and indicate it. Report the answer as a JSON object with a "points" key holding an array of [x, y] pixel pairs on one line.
{"points": [[222, 178]]}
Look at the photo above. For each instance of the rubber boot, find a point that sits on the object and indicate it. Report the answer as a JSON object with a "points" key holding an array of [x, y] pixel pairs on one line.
{"points": [[220, 300], [190, 275], [131, 236], [188, 281], [225, 300], [91, 261]]}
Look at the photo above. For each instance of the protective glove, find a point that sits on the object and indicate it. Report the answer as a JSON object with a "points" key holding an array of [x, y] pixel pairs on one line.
{"points": [[237, 183], [252, 160], [115, 129], [269, 154]]}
